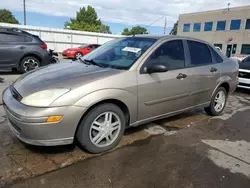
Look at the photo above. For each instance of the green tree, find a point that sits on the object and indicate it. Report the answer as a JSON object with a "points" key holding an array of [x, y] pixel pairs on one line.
{"points": [[135, 31], [174, 29], [7, 17], [87, 20]]}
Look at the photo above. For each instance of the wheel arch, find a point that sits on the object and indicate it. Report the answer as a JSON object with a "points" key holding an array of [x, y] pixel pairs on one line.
{"points": [[116, 102], [31, 54]]}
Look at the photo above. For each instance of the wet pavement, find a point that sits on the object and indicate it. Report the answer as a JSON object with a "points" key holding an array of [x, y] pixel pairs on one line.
{"points": [[188, 150], [209, 154]]}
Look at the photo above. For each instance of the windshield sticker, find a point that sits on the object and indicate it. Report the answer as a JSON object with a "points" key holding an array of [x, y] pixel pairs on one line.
{"points": [[132, 49]]}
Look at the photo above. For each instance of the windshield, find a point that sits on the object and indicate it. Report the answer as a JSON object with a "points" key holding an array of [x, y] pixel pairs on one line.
{"points": [[83, 46], [120, 53], [247, 59]]}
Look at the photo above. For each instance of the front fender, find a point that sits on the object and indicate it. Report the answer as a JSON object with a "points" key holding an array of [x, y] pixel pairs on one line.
{"points": [[129, 99]]}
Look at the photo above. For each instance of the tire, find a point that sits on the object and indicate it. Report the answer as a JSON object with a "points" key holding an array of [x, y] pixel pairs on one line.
{"points": [[78, 55], [88, 137], [29, 63], [212, 110]]}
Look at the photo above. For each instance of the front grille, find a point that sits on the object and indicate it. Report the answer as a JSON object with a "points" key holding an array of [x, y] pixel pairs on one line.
{"points": [[15, 94], [244, 75], [242, 84]]}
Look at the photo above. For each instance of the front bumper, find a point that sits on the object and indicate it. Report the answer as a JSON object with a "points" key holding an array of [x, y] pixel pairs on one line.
{"points": [[244, 78], [244, 83], [30, 126], [69, 54]]}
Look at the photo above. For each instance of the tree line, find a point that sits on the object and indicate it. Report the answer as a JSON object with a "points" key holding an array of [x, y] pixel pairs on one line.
{"points": [[86, 20]]}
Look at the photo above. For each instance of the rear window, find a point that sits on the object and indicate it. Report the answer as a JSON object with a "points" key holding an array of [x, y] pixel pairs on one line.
{"points": [[199, 53], [27, 39], [38, 39], [217, 57]]}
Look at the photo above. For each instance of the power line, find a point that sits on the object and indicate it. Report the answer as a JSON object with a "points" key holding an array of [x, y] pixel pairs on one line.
{"points": [[155, 21]]}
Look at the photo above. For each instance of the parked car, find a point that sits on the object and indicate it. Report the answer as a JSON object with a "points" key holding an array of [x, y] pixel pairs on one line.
{"points": [[82, 50], [126, 82], [21, 50], [244, 73]]}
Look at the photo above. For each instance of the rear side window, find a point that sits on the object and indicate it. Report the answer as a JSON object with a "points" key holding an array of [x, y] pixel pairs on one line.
{"points": [[199, 53], [27, 39], [7, 37], [170, 54], [217, 57]]}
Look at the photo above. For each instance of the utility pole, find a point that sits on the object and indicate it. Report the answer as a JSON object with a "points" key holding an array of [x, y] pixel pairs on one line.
{"points": [[165, 25], [24, 12]]}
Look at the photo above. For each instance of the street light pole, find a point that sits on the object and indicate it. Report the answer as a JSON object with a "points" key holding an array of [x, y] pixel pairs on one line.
{"points": [[24, 12]]}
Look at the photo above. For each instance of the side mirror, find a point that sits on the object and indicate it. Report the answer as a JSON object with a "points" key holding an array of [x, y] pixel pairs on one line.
{"points": [[88, 48], [156, 68]]}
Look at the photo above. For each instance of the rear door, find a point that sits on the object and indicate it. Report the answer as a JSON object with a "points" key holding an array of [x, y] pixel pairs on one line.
{"points": [[11, 49], [204, 70]]}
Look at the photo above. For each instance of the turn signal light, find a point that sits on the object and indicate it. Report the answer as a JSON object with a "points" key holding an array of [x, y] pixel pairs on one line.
{"points": [[52, 119]]}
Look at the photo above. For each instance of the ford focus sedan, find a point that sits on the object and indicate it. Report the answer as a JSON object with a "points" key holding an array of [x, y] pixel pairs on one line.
{"points": [[126, 82]]}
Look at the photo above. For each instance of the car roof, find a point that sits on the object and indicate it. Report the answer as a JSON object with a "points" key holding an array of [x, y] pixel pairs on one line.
{"points": [[163, 37], [14, 30]]}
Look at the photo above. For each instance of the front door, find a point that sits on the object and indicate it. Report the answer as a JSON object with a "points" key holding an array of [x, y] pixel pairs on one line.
{"points": [[166, 92], [229, 50]]}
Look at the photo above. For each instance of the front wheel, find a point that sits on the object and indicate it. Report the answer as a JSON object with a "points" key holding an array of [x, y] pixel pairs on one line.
{"points": [[78, 55], [218, 102], [102, 128]]}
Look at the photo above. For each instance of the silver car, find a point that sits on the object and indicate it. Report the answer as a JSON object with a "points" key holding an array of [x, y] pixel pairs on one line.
{"points": [[126, 82], [244, 73]]}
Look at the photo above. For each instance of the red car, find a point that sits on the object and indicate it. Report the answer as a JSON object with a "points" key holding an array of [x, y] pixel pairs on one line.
{"points": [[80, 51]]}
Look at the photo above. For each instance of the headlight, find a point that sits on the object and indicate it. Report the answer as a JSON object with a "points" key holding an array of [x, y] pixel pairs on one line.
{"points": [[43, 98]]}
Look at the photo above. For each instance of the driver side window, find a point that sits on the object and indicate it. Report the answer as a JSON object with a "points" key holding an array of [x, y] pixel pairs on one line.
{"points": [[170, 54]]}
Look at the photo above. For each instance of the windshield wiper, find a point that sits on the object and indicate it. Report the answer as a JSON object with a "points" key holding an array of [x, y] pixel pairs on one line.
{"points": [[83, 61], [91, 61]]}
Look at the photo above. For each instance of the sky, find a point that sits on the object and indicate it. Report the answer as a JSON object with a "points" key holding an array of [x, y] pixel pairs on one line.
{"points": [[117, 14]]}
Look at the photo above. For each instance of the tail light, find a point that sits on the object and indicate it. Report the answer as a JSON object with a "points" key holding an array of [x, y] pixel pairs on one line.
{"points": [[43, 46]]}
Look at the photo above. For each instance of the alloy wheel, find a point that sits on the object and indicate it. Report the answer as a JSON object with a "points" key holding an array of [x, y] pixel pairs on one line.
{"points": [[105, 129], [220, 100], [30, 64]]}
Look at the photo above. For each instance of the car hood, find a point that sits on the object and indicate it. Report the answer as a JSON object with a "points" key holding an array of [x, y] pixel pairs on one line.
{"points": [[245, 65], [67, 74]]}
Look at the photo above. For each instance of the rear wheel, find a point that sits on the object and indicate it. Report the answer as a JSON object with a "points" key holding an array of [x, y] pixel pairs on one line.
{"points": [[29, 63], [218, 102], [78, 55], [102, 128]]}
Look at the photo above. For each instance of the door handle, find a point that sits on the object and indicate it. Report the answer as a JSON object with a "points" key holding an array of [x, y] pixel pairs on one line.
{"points": [[213, 69], [181, 76], [21, 47]]}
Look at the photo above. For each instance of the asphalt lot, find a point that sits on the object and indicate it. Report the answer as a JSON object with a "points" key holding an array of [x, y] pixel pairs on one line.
{"points": [[188, 150]]}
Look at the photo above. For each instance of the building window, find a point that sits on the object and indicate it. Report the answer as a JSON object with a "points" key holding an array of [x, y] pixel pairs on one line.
{"points": [[208, 26], [197, 27], [221, 26], [186, 28], [247, 24], [245, 49], [218, 45], [235, 24]]}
